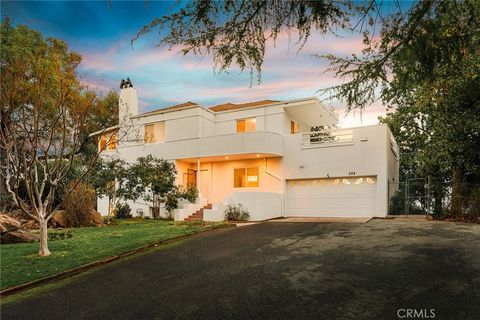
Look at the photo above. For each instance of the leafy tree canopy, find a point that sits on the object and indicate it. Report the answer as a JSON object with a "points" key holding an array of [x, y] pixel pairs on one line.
{"points": [[236, 32]]}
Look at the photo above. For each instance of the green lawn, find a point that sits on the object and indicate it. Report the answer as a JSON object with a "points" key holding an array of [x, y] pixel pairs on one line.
{"points": [[20, 263]]}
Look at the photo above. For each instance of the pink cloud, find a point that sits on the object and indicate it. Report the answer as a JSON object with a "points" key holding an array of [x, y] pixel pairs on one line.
{"points": [[97, 86], [98, 62]]}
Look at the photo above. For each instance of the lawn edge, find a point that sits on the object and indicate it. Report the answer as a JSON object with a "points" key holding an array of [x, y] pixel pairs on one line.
{"points": [[91, 265]]}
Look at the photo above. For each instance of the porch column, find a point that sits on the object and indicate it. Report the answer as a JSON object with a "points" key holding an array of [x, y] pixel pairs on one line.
{"points": [[198, 174]]}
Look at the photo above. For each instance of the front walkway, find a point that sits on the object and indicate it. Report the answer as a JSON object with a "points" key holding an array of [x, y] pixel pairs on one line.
{"points": [[282, 271]]}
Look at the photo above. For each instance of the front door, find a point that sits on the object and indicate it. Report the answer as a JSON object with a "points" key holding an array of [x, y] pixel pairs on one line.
{"points": [[190, 177]]}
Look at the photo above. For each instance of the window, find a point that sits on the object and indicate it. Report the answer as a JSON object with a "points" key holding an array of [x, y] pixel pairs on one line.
{"points": [[293, 127], [246, 125], [155, 132], [245, 178], [103, 142], [113, 142], [108, 142], [149, 133]]}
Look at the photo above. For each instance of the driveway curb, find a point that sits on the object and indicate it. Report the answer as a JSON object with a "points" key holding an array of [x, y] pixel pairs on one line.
{"points": [[88, 266]]}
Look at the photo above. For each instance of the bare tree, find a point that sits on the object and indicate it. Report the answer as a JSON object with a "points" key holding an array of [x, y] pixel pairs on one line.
{"points": [[44, 109]]}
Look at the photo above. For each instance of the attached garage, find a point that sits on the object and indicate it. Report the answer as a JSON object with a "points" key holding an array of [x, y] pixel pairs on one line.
{"points": [[332, 197]]}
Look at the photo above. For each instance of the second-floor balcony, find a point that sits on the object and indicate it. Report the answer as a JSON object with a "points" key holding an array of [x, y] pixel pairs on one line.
{"points": [[265, 143], [327, 138]]}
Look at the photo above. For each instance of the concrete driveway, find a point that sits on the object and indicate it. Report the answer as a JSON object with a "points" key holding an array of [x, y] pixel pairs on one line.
{"points": [[375, 270]]}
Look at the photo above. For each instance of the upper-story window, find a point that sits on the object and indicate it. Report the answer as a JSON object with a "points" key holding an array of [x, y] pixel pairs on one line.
{"points": [[155, 132], [108, 141], [247, 125], [293, 127]]}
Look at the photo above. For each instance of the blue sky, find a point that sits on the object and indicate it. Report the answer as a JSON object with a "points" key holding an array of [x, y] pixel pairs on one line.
{"points": [[102, 34]]}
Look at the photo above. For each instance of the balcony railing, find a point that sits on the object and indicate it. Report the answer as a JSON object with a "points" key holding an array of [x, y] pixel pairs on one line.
{"points": [[319, 138]]}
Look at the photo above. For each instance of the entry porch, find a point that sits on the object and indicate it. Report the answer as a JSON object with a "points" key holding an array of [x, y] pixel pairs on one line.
{"points": [[253, 180]]}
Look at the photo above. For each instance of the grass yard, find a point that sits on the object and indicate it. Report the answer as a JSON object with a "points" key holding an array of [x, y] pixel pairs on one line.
{"points": [[20, 263]]}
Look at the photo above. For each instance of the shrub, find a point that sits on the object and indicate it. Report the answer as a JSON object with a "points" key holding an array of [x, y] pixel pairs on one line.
{"points": [[236, 213], [171, 203], [123, 211], [189, 193], [79, 206]]}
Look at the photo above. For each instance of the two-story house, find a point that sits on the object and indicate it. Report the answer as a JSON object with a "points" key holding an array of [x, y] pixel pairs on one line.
{"points": [[263, 155]]}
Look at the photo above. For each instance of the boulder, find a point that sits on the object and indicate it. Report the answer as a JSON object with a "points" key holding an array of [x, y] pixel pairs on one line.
{"points": [[30, 224], [18, 236], [11, 232], [8, 223], [59, 219], [96, 218], [19, 215]]}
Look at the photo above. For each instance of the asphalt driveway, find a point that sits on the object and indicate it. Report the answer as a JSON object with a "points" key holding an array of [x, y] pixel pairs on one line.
{"points": [[283, 271]]}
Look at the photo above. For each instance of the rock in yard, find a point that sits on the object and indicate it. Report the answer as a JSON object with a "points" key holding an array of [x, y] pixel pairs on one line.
{"points": [[96, 219], [30, 224], [18, 236], [11, 232], [19, 215], [59, 219], [8, 223]]}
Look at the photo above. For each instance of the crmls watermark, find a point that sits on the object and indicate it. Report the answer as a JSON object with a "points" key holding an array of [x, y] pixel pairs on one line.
{"points": [[408, 313]]}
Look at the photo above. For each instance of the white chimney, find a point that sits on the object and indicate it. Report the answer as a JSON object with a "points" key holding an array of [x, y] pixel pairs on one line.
{"points": [[128, 104]]}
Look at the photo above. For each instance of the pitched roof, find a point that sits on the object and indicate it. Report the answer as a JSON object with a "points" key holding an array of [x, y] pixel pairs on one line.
{"points": [[233, 106], [174, 107]]}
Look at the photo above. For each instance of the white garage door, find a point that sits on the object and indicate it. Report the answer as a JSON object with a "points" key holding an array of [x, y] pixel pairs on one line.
{"points": [[333, 197]]}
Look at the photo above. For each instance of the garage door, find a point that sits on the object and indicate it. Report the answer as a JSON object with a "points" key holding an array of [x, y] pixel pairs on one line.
{"points": [[333, 197]]}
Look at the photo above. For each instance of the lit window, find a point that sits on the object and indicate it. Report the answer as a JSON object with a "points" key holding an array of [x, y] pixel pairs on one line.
{"points": [[103, 142], [246, 177], [112, 145], [293, 127], [346, 181], [359, 181], [246, 125], [108, 142]]}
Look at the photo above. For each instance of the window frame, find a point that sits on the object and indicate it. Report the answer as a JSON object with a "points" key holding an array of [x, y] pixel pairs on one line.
{"points": [[245, 122], [244, 180], [158, 132], [108, 142], [152, 140]]}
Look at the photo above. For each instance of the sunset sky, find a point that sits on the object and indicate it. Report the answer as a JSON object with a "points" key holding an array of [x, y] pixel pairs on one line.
{"points": [[102, 34]]}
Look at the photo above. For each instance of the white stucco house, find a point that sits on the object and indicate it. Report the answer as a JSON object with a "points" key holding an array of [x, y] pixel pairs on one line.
{"points": [[262, 155]]}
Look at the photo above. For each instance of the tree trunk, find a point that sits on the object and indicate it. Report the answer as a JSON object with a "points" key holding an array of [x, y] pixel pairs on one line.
{"points": [[43, 238], [457, 196], [109, 214], [438, 199]]}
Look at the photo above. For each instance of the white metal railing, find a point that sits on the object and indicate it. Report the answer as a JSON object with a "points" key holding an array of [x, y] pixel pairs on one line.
{"points": [[316, 138]]}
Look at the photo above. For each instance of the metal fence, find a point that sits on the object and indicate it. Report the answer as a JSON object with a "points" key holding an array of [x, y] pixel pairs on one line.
{"points": [[423, 196]]}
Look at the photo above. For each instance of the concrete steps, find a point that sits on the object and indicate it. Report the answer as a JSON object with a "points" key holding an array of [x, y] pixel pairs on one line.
{"points": [[198, 215]]}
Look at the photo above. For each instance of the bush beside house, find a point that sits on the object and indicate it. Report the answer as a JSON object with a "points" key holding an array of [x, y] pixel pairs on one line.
{"points": [[235, 212]]}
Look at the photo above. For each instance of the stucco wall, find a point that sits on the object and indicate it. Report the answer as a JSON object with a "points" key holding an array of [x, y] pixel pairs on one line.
{"points": [[260, 206], [222, 178], [359, 158]]}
